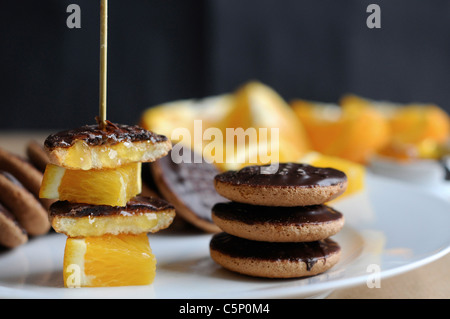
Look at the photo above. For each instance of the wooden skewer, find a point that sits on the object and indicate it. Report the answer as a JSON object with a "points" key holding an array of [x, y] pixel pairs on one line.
{"points": [[103, 60]]}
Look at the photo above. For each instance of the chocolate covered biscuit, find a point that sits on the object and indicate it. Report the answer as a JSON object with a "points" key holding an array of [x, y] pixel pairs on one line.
{"points": [[278, 224], [273, 260], [291, 184], [140, 215]]}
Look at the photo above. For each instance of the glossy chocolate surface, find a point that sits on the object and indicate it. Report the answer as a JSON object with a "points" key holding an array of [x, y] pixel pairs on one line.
{"points": [[309, 252], [252, 214], [94, 136], [137, 205], [287, 175]]}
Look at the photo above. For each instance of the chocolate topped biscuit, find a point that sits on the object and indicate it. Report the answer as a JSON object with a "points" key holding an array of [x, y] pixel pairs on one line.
{"points": [[140, 215], [278, 224], [90, 147], [273, 260], [137, 205], [291, 184], [95, 136], [189, 187], [287, 175], [253, 214]]}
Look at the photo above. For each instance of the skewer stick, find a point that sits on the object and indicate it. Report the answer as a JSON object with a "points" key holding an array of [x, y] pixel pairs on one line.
{"points": [[103, 60]]}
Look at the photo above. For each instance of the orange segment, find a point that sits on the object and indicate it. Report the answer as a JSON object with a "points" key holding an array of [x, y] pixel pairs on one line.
{"points": [[258, 107], [354, 131], [418, 123], [169, 117], [254, 106], [416, 130], [107, 261], [113, 187], [365, 132], [323, 122]]}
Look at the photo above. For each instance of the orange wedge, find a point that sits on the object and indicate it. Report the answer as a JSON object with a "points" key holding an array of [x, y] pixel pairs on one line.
{"points": [[113, 187], [416, 130], [417, 123], [253, 106], [365, 132], [258, 107], [172, 117], [107, 261], [354, 131], [322, 121]]}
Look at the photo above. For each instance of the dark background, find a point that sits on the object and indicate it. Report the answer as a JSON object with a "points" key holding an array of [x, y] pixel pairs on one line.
{"points": [[163, 50]]}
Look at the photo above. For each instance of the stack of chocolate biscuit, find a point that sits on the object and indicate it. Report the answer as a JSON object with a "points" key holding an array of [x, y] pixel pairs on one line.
{"points": [[277, 225]]}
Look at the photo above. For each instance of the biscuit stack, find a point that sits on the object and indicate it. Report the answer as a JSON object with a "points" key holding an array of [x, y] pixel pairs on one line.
{"points": [[21, 213], [277, 224], [107, 243]]}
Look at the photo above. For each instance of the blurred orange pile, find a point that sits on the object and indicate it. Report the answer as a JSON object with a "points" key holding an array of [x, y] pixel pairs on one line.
{"points": [[343, 135], [358, 128]]}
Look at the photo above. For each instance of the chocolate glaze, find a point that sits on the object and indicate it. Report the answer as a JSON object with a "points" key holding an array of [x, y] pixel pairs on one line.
{"points": [[252, 214], [137, 205], [94, 136], [287, 175], [309, 252], [192, 183]]}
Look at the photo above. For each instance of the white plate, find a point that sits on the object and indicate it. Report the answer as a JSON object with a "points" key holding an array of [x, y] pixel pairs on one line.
{"points": [[392, 228]]}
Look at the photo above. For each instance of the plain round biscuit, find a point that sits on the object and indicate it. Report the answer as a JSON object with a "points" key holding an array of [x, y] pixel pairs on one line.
{"points": [[273, 232], [28, 175], [25, 172], [30, 213], [279, 195], [285, 268], [37, 155], [11, 234]]}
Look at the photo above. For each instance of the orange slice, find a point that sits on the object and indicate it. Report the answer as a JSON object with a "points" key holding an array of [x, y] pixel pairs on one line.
{"points": [[253, 106], [418, 123], [173, 117], [113, 187], [257, 105], [107, 261], [258, 108], [322, 121], [354, 131], [365, 132]]}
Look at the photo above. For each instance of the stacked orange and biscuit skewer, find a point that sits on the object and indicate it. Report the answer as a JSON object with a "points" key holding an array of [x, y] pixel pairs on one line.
{"points": [[95, 176]]}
